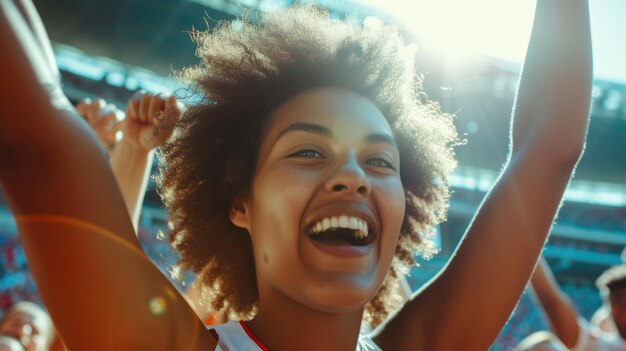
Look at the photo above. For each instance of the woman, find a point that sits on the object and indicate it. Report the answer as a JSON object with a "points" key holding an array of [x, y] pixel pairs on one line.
{"points": [[339, 135]]}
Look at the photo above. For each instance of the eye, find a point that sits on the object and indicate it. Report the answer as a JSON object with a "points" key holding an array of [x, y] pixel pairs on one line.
{"points": [[380, 162], [307, 153]]}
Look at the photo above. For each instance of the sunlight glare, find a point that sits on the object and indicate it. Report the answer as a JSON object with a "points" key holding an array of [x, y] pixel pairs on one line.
{"points": [[459, 29]]}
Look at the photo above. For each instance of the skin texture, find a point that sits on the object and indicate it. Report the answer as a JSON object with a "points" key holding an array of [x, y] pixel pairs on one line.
{"points": [[87, 256]]}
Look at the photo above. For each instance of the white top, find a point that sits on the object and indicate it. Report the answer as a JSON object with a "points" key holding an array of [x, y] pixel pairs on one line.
{"points": [[235, 336], [593, 339]]}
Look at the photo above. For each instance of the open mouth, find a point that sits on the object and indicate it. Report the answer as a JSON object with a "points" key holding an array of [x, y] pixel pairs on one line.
{"points": [[342, 230]]}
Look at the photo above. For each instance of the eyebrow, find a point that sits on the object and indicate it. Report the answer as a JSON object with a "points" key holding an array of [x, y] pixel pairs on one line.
{"points": [[381, 138], [306, 127], [326, 132]]}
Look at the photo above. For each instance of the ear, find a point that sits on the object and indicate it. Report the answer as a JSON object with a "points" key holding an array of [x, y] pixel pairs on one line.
{"points": [[239, 213]]}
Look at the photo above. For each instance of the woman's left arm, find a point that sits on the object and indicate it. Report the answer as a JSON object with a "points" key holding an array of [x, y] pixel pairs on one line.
{"points": [[465, 307]]}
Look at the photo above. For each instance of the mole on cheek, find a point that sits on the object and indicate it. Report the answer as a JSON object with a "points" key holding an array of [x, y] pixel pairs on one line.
{"points": [[266, 260]]}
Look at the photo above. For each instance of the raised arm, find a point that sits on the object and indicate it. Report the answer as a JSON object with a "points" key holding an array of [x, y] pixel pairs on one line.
{"points": [[561, 312], [468, 303], [149, 121], [101, 291]]}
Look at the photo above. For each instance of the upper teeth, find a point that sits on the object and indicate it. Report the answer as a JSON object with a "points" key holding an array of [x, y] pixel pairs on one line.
{"points": [[348, 222]]}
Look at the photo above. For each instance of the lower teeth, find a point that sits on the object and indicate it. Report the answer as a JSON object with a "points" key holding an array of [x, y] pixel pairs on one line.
{"points": [[359, 234]]}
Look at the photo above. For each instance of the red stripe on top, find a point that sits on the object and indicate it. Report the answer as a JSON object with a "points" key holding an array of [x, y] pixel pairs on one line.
{"points": [[251, 336]]}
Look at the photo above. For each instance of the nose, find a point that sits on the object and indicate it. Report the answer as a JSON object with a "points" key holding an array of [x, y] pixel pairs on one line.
{"points": [[348, 177]]}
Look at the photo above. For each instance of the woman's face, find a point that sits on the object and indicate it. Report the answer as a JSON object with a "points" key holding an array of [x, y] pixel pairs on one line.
{"points": [[327, 202]]}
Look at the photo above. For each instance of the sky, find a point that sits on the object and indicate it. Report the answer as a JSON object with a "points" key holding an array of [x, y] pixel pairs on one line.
{"points": [[501, 28]]}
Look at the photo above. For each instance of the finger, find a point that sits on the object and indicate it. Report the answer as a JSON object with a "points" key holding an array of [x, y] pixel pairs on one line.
{"points": [[87, 110], [109, 140], [116, 125], [106, 109], [100, 103], [138, 94], [97, 109], [171, 113], [157, 107], [83, 106], [105, 122], [174, 107], [132, 108], [165, 125], [144, 108]]}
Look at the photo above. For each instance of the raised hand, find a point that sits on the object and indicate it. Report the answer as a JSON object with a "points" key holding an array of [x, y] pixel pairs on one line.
{"points": [[103, 118], [149, 121]]}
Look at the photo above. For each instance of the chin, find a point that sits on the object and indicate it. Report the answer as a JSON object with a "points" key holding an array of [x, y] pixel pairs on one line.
{"points": [[341, 299]]}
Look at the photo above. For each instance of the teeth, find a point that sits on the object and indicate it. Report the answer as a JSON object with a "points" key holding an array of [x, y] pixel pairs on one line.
{"points": [[326, 224], [343, 222], [348, 222], [353, 223]]}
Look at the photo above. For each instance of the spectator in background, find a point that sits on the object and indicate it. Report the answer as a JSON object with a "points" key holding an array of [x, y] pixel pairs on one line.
{"points": [[29, 324], [573, 331]]}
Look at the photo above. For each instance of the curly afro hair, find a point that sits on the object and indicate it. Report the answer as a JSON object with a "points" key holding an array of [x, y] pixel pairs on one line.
{"points": [[246, 71]]}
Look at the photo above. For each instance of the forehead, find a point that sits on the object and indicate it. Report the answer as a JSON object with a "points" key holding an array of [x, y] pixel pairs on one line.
{"points": [[337, 109]]}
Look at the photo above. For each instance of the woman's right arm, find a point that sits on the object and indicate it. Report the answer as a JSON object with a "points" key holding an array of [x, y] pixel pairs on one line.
{"points": [[99, 287]]}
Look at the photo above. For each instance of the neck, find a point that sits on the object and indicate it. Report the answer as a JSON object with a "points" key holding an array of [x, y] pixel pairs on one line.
{"points": [[288, 325]]}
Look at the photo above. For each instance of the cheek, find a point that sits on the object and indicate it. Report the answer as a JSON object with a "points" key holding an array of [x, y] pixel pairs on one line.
{"points": [[279, 201], [392, 203]]}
